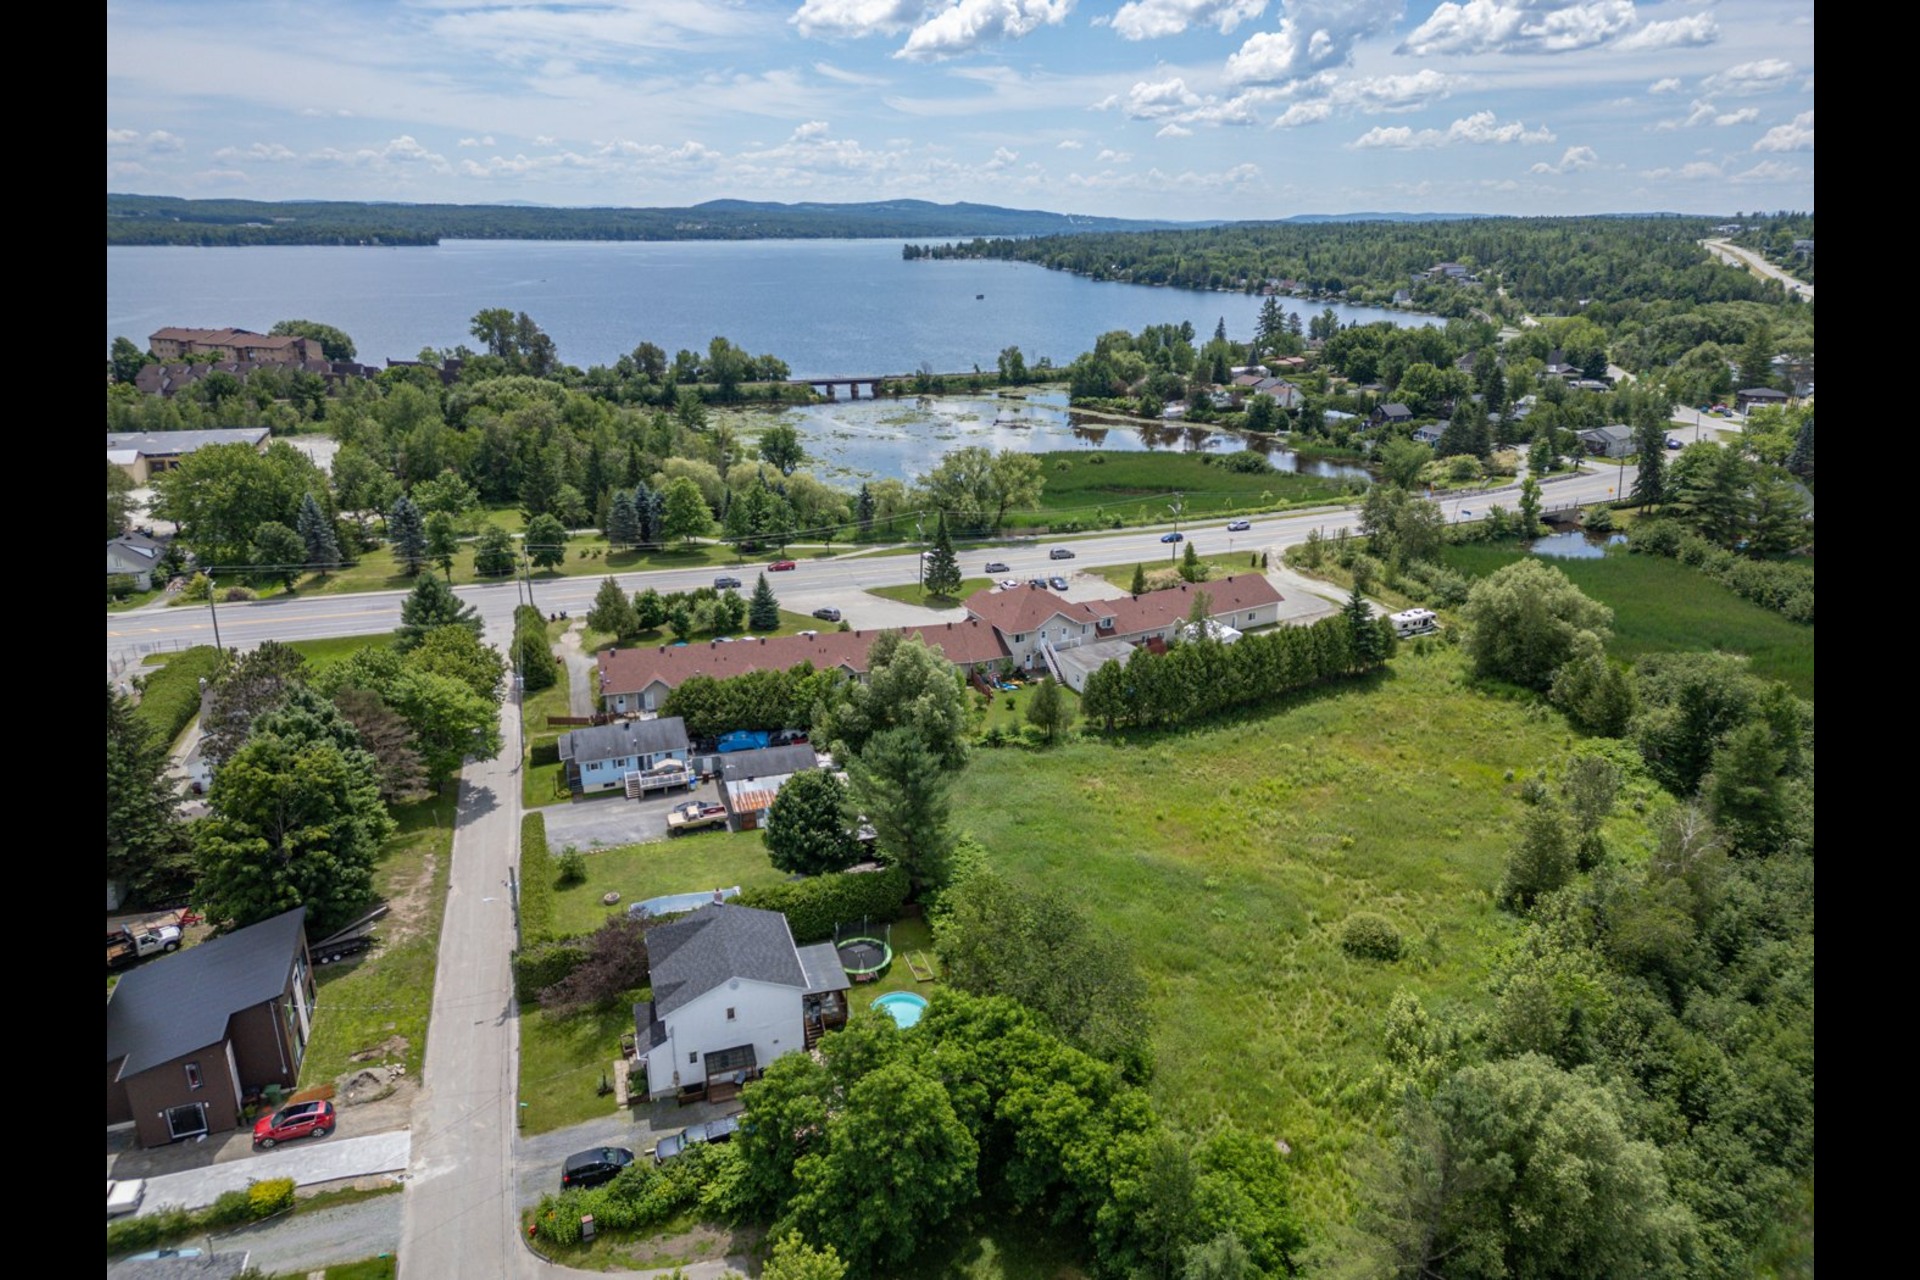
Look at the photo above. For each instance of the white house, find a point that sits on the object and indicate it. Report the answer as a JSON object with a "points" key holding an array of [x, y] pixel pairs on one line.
{"points": [[600, 758], [731, 993], [136, 555], [1032, 622]]}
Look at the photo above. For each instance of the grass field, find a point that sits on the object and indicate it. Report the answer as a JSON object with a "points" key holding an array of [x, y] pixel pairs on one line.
{"points": [[705, 860], [321, 654], [387, 993], [913, 593], [1137, 487], [1218, 566], [1229, 855], [1661, 605]]}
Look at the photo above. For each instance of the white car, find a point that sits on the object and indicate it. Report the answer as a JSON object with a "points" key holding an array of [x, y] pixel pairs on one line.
{"points": [[123, 1196], [1010, 584]]}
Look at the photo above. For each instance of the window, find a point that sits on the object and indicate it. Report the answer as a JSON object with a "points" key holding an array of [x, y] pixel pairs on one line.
{"points": [[693, 1059], [729, 1015], [193, 1076]]}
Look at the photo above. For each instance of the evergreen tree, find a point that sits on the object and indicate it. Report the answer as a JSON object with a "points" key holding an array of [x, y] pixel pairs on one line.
{"points": [[612, 611], [143, 829], [1650, 479], [407, 532], [443, 541], [1756, 358], [430, 605], [943, 567], [865, 509], [1139, 587], [643, 514], [654, 520], [623, 522], [316, 533], [764, 613], [1190, 567], [1369, 642], [493, 553], [1800, 461], [278, 553]]}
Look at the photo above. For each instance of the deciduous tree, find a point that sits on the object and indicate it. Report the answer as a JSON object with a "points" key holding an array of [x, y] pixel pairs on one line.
{"points": [[1049, 711], [546, 542], [809, 831], [1524, 620]]}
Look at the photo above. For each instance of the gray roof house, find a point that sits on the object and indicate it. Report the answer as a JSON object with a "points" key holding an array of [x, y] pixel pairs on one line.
{"points": [[1612, 441], [1430, 433], [135, 554], [599, 758], [1392, 414], [731, 993], [192, 1035], [749, 780]]}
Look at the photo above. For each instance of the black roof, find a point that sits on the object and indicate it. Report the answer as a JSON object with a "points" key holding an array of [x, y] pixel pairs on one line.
{"points": [[767, 762], [719, 942], [628, 738], [182, 1002]]}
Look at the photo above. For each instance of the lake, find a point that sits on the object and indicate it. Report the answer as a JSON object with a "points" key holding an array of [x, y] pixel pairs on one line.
{"points": [[826, 307]]}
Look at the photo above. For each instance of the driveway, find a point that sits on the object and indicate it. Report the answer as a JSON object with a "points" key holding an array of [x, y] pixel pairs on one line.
{"points": [[605, 824], [537, 1160], [306, 1162]]}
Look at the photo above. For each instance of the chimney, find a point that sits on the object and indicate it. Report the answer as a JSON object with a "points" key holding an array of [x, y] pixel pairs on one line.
{"points": [[763, 639], [613, 652]]}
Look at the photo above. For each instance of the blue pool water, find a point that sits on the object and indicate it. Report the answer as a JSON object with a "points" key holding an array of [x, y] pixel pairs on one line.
{"points": [[904, 1007]]}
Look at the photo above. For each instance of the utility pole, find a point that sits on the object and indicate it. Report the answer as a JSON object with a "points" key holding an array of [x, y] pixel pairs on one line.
{"points": [[215, 612], [526, 566], [920, 536]]}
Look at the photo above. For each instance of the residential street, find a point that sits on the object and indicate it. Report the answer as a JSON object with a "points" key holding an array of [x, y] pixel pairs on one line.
{"points": [[1736, 256]]}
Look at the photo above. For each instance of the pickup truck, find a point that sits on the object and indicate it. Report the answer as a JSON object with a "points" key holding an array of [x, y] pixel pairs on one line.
{"points": [[696, 815], [130, 944]]}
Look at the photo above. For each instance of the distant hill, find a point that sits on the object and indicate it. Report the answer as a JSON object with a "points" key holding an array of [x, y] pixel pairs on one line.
{"points": [[1383, 217], [136, 219]]}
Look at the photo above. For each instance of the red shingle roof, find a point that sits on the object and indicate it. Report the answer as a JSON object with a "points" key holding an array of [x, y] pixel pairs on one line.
{"points": [[631, 670], [1027, 609]]}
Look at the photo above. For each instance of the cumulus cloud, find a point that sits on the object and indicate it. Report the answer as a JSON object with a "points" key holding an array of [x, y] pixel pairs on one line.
{"points": [[1478, 129], [1109, 156], [1067, 144], [1174, 131], [1395, 93], [401, 152], [1313, 34], [1519, 26], [1761, 76], [1304, 113], [272, 152], [857, 17], [1575, 160], [157, 141], [1695, 29], [1768, 171], [1797, 136], [967, 24], [1670, 85], [485, 140], [1697, 171], [1150, 99], [811, 129], [1151, 19], [1002, 158]]}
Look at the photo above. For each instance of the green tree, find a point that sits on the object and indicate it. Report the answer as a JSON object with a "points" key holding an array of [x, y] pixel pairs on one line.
{"points": [[943, 567], [278, 553], [1013, 367], [443, 541], [1690, 703], [1650, 472], [295, 820], [1529, 508], [1524, 620], [651, 610], [1402, 461], [908, 686], [546, 543], [1049, 711], [220, 495], [432, 604], [407, 531], [144, 835], [808, 829], [387, 738], [250, 686], [126, 360], [763, 614], [623, 522], [865, 508], [1221, 1258], [613, 611], [119, 500], [317, 536], [449, 720], [1191, 568], [334, 344], [794, 1259], [1756, 357], [785, 1119], [1139, 587], [1596, 694], [1800, 460], [493, 553], [1709, 487], [687, 515], [1542, 859], [1369, 641], [1776, 514], [458, 652], [781, 448], [900, 787], [976, 487], [1745, 793]]}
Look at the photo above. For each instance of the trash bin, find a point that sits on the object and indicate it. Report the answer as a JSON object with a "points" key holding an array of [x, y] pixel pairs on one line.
{"points": [[586, 1226]]}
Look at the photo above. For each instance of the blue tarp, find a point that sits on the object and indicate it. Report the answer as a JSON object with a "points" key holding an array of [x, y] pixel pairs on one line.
{"points": [[744, 740]]}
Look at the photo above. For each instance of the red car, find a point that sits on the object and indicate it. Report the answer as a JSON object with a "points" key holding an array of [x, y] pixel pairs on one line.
{"points": [[301, 1120], [780, 566]]}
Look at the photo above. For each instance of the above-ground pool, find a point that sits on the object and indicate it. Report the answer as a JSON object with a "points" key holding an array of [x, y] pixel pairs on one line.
{"points": [[865, 959], [903, 1007]]}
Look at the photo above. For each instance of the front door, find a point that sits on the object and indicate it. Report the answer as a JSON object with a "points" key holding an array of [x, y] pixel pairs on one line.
{"points": [[189, 1121]]}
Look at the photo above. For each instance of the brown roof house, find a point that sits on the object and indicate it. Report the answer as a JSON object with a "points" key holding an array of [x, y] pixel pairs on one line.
{"points": [[191, 1036]]}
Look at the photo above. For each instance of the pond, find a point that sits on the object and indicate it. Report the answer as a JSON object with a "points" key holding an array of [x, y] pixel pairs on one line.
{"points": [[1575, 544], [900, 439]]}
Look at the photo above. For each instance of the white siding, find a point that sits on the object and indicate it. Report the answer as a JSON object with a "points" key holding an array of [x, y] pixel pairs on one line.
{"points": [[765, 1016]]}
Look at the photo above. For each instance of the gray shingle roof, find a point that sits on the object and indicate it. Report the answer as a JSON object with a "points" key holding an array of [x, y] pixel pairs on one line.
{"points": [[767, 762], [705, 948], [629, 738], [182, 1002], [167, 443], [824, 972]]}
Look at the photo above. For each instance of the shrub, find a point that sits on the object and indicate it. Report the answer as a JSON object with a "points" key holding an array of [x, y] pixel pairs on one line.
{"points": [[237, 595], [546, 964], [120, 586], [270, 1196], [1599, 518], [572, 867], [131, 1234], [230, 1209], [197, 589], [170, 697], [814, 906], [536, 881], [1370, 937]]}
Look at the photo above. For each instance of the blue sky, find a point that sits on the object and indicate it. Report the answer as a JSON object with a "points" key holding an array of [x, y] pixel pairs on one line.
{"points": [[1184, 109]]}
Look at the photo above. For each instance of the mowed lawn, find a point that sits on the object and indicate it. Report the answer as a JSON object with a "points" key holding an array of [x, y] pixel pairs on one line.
{"points": [[1228, 856], [1660, 605], [1138, 486]]}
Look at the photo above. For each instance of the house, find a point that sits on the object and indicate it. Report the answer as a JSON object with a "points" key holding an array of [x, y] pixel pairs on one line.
{"points": [[137, 555], [1391, 415], [1613, 441], [1758, 397], [234, 344], [192, 1036], [1034, 625], [749, 781], [731, 994], [1557, 366], [600, 758], [143, 454], [1284, 393], [1449, 271], [1402, 298], [1803, 247], [1429, 434]]}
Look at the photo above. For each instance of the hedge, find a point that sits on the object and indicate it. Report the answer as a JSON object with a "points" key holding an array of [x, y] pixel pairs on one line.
{"points": [[261, 1199], [642, 1197], [537, 874], [170, 697], [815, 905], [542, 965]]}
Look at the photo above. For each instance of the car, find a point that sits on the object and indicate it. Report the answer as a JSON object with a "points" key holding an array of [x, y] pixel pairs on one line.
{"points": [[1057, 583], [591, 1168], [996, 567], [721, 1130], [1060, 553], [787, 738], [1039, 583], [301, 1120], [1009, 584], [1673, 442], [1239, 526], [724, 582], [808, 632], [123, 1196], [781, 566], [827, 614], [1173, 537]]}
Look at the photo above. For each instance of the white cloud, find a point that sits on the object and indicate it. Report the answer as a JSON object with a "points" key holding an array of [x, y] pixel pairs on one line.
{"points": [[157, 141], [1303, 113], [1313, 34], [271, 152], [1002, 158], [1519, 26], [1575, 160], [1155, 180], [1109, 156], [1150, 19], [545, 140], [1761, 76], [811, 129], [1395, 93], [1797, 136], [1067, 144], [485, 140], [122, 137], [844, 76], [403, 150], [1174, 131], [1697, 171], [1147, 100], [1700, 112], [338, 113], [1477, 129], [1768, 171], [966, 24], [857, 17], [1670, 85], [1695, 29]]}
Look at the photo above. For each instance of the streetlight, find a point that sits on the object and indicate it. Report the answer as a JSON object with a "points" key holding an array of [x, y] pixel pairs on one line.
{"points": [[920, 536]]}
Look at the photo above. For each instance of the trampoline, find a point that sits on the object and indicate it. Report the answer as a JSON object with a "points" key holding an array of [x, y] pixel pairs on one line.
{"points": [[865, 959], [904, 1007]]}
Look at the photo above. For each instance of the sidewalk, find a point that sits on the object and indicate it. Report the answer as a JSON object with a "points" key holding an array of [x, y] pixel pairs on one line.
{"points": [[308, 1162]]}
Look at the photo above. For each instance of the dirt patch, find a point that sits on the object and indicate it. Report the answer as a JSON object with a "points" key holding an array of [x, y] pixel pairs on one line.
{"points": [[702, 1243], [370, 1084], [388, 1049], [407, 910]]}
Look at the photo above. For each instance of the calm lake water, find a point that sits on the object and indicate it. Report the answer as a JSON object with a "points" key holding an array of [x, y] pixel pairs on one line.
{"points": [[826, 307], [1575, 544]]}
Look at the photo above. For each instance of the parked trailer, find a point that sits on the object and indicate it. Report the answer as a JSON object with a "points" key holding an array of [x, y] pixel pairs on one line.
{"points": [[1415, 622], [350, 941]]}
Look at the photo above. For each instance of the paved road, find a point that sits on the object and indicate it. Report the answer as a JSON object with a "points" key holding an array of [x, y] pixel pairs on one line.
{"points": [[327, 1237], [1736, 256]]}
